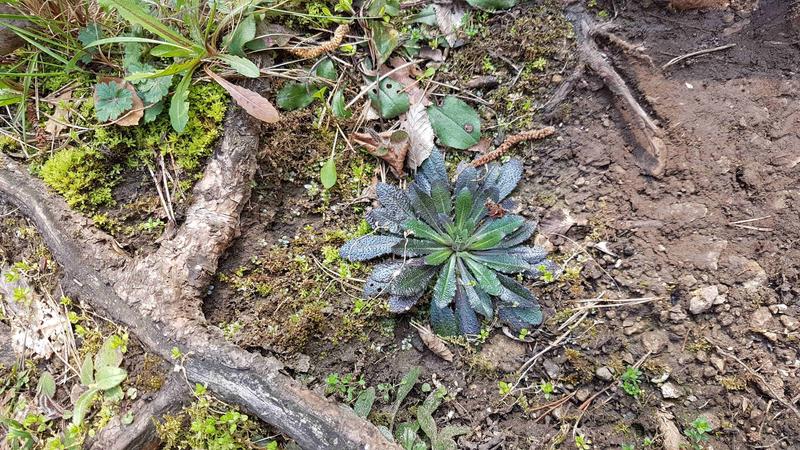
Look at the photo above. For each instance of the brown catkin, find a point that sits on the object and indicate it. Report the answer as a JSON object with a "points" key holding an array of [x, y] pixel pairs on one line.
{"points": [[512, 140], [325, 47]]}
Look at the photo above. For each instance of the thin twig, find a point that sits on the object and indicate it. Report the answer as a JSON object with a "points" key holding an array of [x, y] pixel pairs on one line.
{"points": [[697, 53]]}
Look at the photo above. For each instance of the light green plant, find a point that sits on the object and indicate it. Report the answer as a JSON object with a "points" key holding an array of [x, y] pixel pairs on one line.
{"points": [[630, 381], [698, 432]]}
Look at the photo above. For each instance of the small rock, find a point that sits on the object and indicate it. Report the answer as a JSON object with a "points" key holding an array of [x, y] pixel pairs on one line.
{"points": [[790, 323], [582, 394], [552, 369], [655, 341], [669, 391], [709, 372], [761, 318], [718, 363], [703, 299], [676, 314], [778, 309], [604, 373], [630, 326]]}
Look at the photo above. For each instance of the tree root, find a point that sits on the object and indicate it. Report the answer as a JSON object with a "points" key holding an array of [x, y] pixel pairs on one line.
{"points": [[141, 433], [650, 153], [158, 296]]}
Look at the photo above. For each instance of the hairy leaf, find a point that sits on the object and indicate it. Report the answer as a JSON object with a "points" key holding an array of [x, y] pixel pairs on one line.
{"points": [[485, 277], [502, 261], [518, 237], [417, 247], [438, 257], [443, 321], [242, 65], [412, 280], [398, 303], [380, 277], [423, 231], [393, 198], [494, 231], [492, 5], [445, 287], [364, 402], [405, 387], [46, 385], [519, 318], [368, 247], [468, 323]]}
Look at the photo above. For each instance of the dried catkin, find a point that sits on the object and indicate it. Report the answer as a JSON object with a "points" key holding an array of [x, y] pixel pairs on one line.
{"points": [[325, 47], [510, 142], [433, 342]]}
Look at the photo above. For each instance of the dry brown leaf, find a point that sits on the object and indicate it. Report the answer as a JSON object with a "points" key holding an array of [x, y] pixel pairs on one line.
{"points": [[449, 18], [273, 35], [670, 436], [391, 146], [415, 122], [698, 4], [433, 342], [434, 55], [255, 105], [55, 125], [132, 117], [405, 76], [482, 146]]}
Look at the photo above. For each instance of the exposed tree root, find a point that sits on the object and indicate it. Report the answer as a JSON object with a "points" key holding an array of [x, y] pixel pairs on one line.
{"points": [[141, 433], [159, 296], [651, 151]]}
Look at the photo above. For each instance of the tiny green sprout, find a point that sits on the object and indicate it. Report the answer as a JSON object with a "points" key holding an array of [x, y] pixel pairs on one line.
{"points": [[483, 335], [199, 389], [697, 432], [21, 294], [648, 442], [11, 276], [176, 353], [523, 333], [359, 305], [348, 49], [582, 442], [505, 388], [603, 14], [66, 301], [547, 275], [539, 64], [426, 387], [630, 381], [628, 447], [548, 388], [330, 254]]}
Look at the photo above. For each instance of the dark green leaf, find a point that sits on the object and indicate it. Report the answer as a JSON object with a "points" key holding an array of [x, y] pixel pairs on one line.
{"points": [[405, 387], [242, 65], [486, 278], [92, 32], [379, 8], [438, 257], [492, 5], [494, 231], [326, 69], [338, 106], [295, 96], [412, 280], [463, 207], [152, 111], [170, 51], [386, 39], [152, 90], [179, 105], [417, 247], [443, 321], [389, 99], [502, 261], [244, 33], [368, 247], [442, 200], [364, 403], [519, 318], [445, 287], [455, 123], [422, 230]]}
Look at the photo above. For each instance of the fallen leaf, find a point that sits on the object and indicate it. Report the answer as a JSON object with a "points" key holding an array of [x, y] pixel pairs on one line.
{"points": [[481, 146], [269, 35], [132, 117], [449, 17], [255, 105], [404, 76], [420, 134], [455, 123], [55, 124], [434, 55], [433, 342], [391, 146]]}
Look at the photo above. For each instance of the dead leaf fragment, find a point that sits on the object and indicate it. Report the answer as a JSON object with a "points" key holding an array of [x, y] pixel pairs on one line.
{"points": [[420, 134], [671, 437], [391, 146], [273, 35], [433, 342], [56, 123], [255, 105], [405, 76], [449, 18]]}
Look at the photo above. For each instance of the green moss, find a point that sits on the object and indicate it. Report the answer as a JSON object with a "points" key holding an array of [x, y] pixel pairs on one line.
{"points": [[80, 175], [207, 105]]}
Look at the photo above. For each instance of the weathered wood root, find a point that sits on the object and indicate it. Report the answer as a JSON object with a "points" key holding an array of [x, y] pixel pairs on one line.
{"points": [[159, 296], [650, 153], [141, 433]]}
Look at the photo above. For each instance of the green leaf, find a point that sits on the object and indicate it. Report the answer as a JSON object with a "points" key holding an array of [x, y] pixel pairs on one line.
{"points": [[412, 280], [422, 230], [364, 403], [127, 419], [46, 385], [492, 5], [109, 355], [386, 39], [326, 69], [487, 279], [82, 405], [502, 262], [438, 257], [172, 69], [152, 111], [244, 33], [445, 287], [92, 32], [170, 51], [152, 90], [389, 99], [107, 377], [294, 96], [135, 39], [426, 15], [442, 199], [455, 123], [380, 8], [463, 207], [111, 100], [87, 371], [338, 106], [405, 387], [490, 234], [136, 15], [242, 65], [328, 173], [179, 105]]}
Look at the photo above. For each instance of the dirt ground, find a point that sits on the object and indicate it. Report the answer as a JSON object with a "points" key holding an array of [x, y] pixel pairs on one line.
{"points": [[712, 245]]}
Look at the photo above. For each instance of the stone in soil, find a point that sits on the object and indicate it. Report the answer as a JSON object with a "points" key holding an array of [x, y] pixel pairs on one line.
{"points": [[703, 299], [669, 391], [655, 341], [504, 353], [604, 373], [761, 318]]}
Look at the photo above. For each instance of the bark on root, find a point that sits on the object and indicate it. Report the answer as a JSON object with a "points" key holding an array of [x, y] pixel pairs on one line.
{"points": [[158, 296], [650, 152]]}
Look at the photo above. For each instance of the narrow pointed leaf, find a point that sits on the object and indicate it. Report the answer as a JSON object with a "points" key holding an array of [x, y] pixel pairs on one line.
{"points": [[255, 105], [468, 323], [417, 247], [412, 280], [493, 232], [443, 321], [485, 277], [421, 230], [503, 262], [242, 65], [368, 247], [445, 287], [438, 257]]}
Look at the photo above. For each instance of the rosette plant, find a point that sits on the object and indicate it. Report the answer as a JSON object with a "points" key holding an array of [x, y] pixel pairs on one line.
{"points": [[451, 232]]}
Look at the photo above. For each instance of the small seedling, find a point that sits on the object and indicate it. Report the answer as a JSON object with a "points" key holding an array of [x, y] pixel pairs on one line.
{"points": [[505, 388], [582, 442], [630, 381], [547, 388], [697, 432]]}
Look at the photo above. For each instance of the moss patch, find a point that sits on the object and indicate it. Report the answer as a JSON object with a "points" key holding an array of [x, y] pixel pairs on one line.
{"points": [[81, 177]]}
